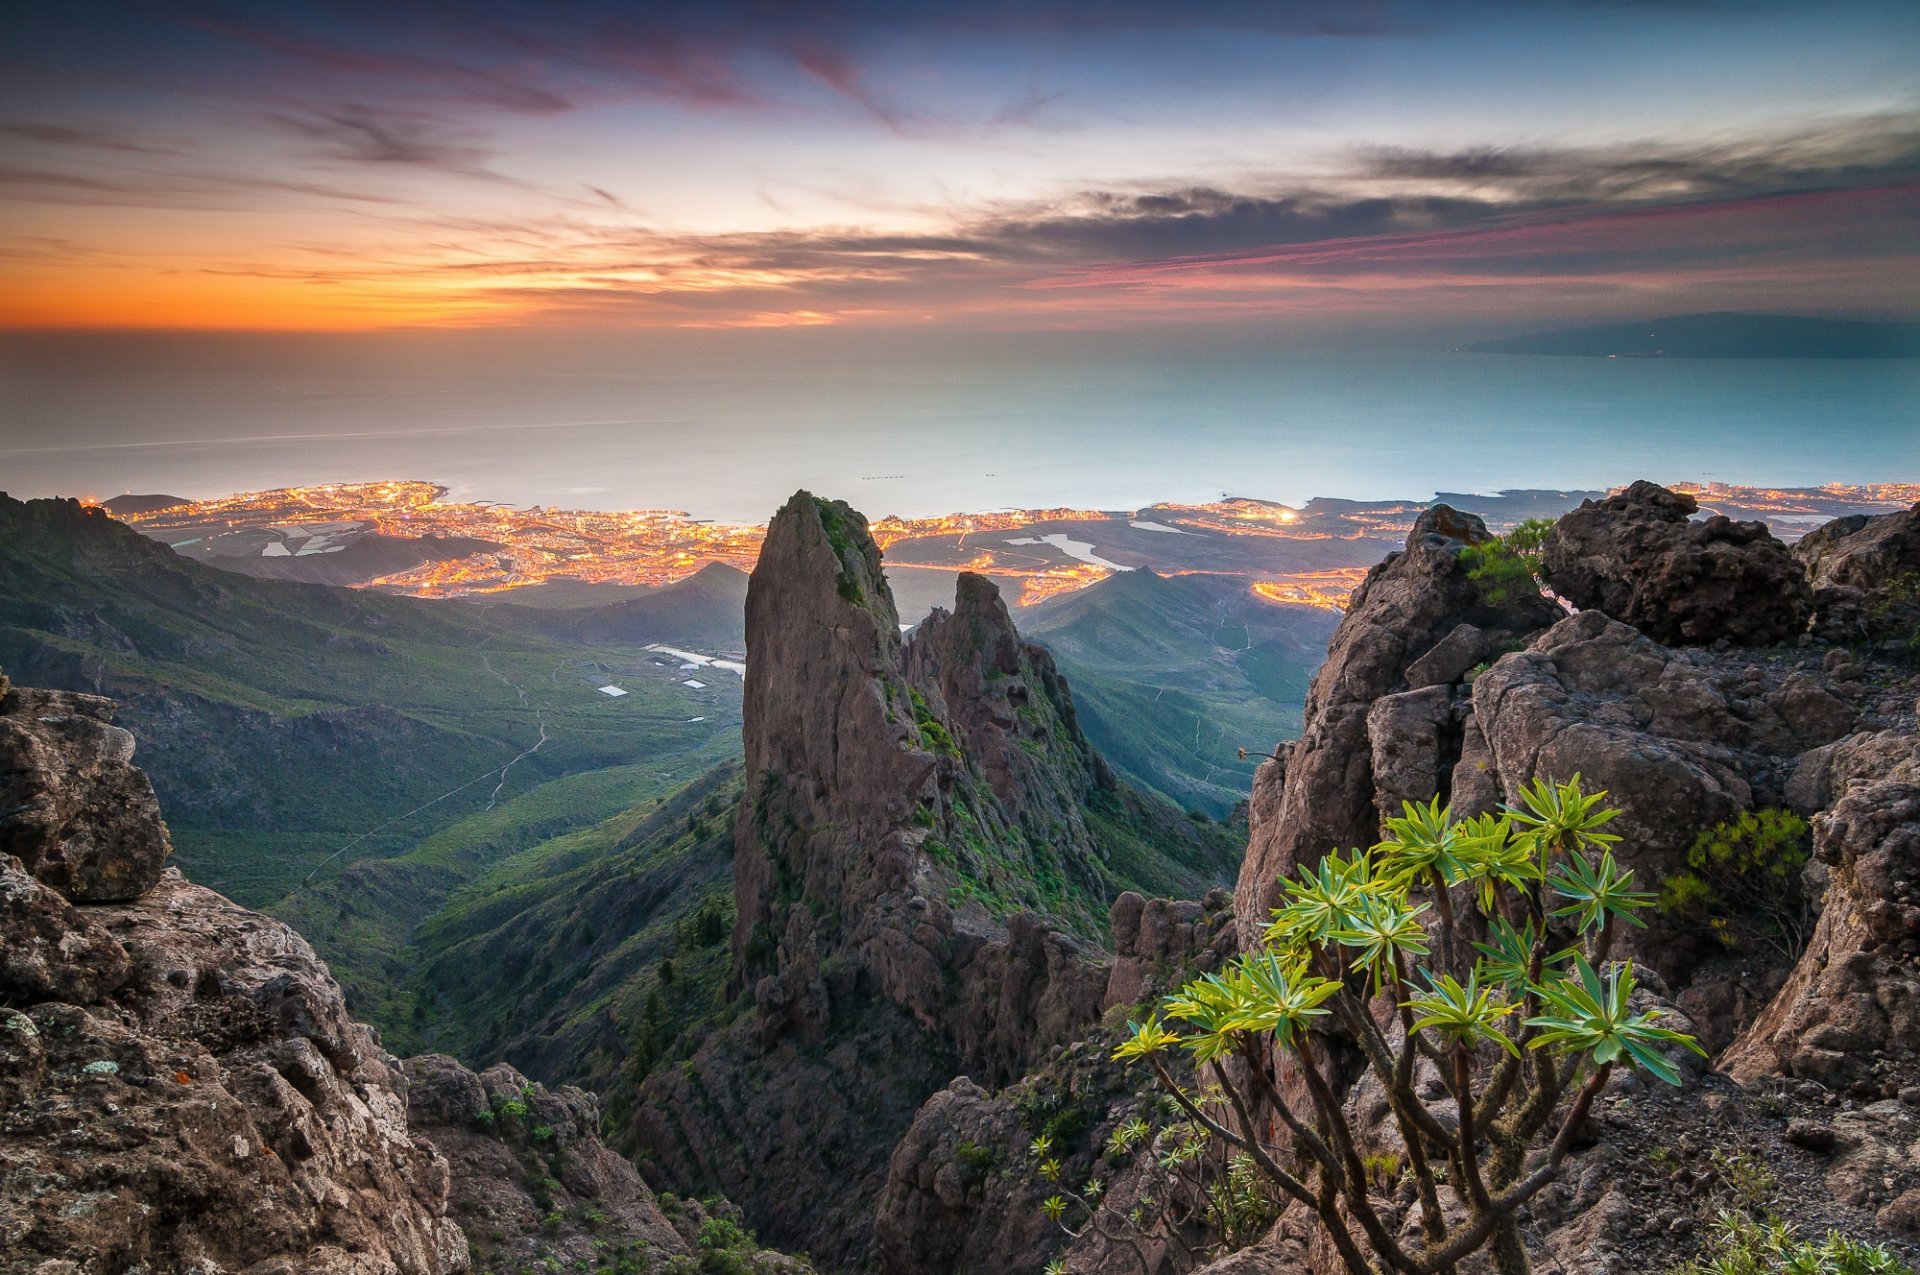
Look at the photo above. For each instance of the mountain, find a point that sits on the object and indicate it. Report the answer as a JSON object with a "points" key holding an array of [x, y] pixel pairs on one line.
{"points": [[706, 611], [120, 506], [294, 730], [1173, 675], [1722, 336], [923, 848]]}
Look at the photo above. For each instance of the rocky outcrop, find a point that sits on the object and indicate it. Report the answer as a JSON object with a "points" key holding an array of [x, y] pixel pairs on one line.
{"points": [[1865, 573], [1850, 1011], [217, 1110], [1681, 739], [73, 807], [531, 1180], [958, 1196], [1639, 557], [1864, 551], [925, 854], [181, 1087], [1414, 630]]}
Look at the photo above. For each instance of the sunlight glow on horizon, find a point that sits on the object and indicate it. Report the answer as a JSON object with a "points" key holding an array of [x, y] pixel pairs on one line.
{"points": [[1089, 167]]}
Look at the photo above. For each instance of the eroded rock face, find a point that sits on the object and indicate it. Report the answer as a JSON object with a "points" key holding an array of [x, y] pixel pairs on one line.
{"points": [[1865, 572], [1854, 997], [181, 1087], [73, 807], [217, 1111], [1417, 624], [1638, 557], [1681, 739], [531, 1180]]}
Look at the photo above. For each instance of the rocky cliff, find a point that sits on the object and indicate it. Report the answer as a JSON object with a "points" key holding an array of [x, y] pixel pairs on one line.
{"points": [[1690, 670], [180, 1084], [926, 852], [183, 1089]]}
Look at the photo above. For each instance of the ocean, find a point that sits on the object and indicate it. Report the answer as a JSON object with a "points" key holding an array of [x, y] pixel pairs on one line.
{"points": [[989, 425]]}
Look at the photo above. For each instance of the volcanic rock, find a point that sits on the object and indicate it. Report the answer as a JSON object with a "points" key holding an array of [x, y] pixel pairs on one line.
{"points": [[1853, 995], [73, 807], [1640, 558], [1402, 631]]}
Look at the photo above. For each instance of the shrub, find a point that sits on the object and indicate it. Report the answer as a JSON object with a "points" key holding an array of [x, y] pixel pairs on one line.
{"points": [[1523, 1029], [1509, 566], [1741, 1245], [1743, 881]]}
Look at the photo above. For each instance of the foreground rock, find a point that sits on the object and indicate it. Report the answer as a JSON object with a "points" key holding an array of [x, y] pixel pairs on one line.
{"points": [[1849, 1015], [73, 807], [1814, 1113], [1639, 557], [533, 1185], [217, 1110]]}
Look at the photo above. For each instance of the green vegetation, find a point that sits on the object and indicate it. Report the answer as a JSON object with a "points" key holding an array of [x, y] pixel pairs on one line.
{"points": [[1171, 676], [340, 757], [934, 736], [1524, 1029], [606, 950], [1509, 566], [1743, 883], [833, 521], [1741, 1245]]}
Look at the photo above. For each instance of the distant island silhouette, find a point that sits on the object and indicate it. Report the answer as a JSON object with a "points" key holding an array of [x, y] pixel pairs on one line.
{"points": [[1721, 336]]}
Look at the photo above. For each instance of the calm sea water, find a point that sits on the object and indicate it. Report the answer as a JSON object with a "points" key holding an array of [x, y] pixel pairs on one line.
{"points": [[980, 429]]}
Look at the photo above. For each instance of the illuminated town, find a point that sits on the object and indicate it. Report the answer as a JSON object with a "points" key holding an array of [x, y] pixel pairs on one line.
{"points": [[1313, 555]]}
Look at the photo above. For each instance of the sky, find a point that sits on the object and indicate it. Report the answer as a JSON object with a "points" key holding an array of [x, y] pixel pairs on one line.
{"points": [[957, 167]]}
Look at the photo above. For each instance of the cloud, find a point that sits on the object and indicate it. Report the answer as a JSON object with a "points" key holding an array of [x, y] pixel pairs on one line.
{"points": [[67, 135], [1865, 150], [359, 135]]}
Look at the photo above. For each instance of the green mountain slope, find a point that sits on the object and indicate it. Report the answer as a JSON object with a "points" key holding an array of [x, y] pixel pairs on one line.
{"points": [[297, 729], [1174, 674], [706, 611]]}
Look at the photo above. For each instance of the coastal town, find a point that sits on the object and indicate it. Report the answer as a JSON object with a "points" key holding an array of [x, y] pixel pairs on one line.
{"points": [[1313, 555]]}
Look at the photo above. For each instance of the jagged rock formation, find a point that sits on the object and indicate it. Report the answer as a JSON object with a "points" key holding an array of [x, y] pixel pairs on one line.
{"points": [[1381, 716], [1865, 573], [925, 855], [531, 1180], [1850, 1011], [1638, 557]]}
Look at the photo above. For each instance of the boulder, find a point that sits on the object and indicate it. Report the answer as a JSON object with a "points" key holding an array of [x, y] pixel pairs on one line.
{"points": [[1639, 557], [1865, 572], [220, 1111], [73, 807], [531, 1181]]}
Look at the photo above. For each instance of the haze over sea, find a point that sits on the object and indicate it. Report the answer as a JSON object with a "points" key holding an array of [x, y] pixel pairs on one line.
{"points": [[988, 424]]}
